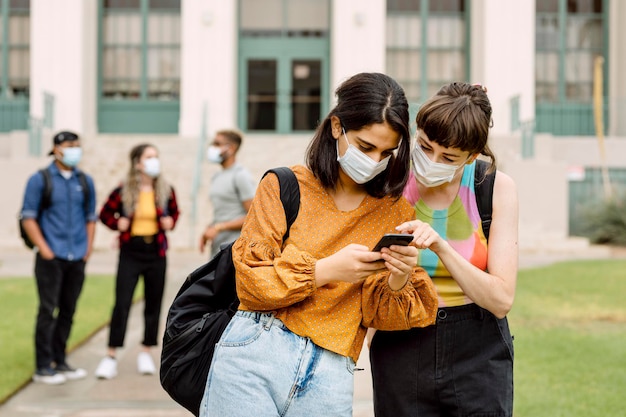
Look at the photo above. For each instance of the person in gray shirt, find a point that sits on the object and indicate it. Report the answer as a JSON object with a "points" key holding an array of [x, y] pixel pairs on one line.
{"points": [[231, 193]]}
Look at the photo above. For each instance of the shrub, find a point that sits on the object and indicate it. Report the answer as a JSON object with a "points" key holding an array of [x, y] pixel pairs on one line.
{"points": [[605, 222]]}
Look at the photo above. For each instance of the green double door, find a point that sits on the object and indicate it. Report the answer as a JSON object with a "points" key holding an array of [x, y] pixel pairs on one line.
{"points": [[283, 84]]}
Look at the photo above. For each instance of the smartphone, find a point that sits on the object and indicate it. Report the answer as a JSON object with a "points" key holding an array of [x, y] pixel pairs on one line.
{"points": [[392, 239]]}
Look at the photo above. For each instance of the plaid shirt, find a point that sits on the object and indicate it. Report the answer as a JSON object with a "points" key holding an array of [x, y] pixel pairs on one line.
{"points": [[113, 210]]}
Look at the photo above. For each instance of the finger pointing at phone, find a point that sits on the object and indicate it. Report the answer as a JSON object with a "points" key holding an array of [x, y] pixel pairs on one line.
{"points": [[424, 237]]}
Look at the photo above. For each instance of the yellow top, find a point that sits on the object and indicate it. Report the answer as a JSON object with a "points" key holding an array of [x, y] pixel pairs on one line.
{"points": [[144, 219], [335, 316]]}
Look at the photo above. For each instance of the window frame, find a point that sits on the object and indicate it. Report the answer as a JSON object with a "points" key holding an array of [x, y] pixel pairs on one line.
{"points": [[138, 110], [428, 85]]}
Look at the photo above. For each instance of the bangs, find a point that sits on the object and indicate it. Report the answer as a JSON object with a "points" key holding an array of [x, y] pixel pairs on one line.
{"points": [[453, 122]]}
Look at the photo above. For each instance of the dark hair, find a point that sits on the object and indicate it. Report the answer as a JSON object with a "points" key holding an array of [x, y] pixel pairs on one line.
{"points": [[363, 100], [458, 116], [232, 136]]}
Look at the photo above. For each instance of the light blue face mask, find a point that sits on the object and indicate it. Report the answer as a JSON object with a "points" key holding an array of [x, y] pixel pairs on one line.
{"points": [[358, 166], [71, 156]]}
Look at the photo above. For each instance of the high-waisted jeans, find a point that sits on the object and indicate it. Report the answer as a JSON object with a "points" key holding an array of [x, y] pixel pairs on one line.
{"points": [[262, 369]]}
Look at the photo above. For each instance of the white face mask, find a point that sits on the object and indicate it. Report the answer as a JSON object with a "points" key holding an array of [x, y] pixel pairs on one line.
{"points": [[358, 166], [214, 154], [429, 173], [152, 167]]}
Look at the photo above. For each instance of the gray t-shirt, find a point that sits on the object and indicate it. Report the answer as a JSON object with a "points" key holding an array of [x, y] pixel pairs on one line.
{"points": [[229, 188]]}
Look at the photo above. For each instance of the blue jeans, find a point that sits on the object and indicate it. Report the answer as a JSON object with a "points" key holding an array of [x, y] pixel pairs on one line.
{"points": [[262, 369], [461, 366]]}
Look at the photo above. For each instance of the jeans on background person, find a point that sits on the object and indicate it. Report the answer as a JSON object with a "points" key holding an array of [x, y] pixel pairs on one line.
{"points": [[138, 258], [59, 283]]}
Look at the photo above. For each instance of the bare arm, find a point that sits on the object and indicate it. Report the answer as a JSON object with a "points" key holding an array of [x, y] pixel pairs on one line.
{"points": [[91, 232], [212, 230]]}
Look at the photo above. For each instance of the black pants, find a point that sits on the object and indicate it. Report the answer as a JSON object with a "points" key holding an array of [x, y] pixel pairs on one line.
{"points": [[59, 284], [461, 366], [138, 257]]}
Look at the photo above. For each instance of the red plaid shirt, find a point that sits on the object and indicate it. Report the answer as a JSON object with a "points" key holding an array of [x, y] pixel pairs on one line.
{"points": [[113, 210]]}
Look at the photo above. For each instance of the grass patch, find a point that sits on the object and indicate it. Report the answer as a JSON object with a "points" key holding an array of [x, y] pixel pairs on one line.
{"points": [[568, 320], [18, 308], [569, 324]]}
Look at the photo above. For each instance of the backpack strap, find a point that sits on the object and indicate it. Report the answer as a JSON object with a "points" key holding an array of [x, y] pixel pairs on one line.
{"points": [[46, 194], [82, 179], [289, 194], [483, 187]]}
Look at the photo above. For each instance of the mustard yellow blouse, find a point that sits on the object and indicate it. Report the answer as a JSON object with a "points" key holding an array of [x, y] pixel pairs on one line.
{"points": [[335, 316]]}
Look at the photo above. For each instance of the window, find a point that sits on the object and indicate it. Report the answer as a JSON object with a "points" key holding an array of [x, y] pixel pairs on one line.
{"points": [[569, 36], [139, 66], [284, 18], [15, 47], [141, 49], [426, 44]]}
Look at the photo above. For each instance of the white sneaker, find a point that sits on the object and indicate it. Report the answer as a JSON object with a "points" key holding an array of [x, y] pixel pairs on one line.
{"points": [[145, 364], [49, 376], [70, 373], [107, 368]]}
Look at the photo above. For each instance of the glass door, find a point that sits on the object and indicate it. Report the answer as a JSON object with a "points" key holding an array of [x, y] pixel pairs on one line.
{"points": [[262, 94], [283, 64], [306, 88], [283, 94]]}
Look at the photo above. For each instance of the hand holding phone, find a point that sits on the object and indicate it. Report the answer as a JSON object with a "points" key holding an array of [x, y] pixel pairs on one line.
{"points": [[393, 239]]}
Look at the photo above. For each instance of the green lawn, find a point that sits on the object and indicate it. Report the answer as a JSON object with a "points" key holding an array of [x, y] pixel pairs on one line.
{"points": [[568, 320], [18, 309], [569, 324]]}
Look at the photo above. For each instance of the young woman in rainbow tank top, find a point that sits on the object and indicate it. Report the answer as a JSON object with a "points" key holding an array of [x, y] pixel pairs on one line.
{"points": [[463, 364]]}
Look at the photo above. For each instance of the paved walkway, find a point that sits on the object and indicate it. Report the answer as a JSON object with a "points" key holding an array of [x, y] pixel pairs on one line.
{"points": [[134, 395]]}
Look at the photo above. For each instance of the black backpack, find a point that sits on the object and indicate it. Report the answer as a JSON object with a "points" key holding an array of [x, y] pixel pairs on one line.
{"points": [[202, 309], [483, 187], [46, 200]]}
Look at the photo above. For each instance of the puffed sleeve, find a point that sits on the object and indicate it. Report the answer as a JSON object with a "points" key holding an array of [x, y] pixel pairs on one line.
{"points": [[269, 278], [415, 305]]}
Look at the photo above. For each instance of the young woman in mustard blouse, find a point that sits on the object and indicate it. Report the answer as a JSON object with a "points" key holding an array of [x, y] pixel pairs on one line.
{"points": [[306, 303]]}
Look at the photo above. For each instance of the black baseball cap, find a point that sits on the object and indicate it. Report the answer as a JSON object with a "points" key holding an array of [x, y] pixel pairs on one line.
{"points": [[61, 137]]}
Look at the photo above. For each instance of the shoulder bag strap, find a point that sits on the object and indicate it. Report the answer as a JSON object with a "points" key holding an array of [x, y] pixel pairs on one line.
{"points": [[289, 194], [483, 187]]}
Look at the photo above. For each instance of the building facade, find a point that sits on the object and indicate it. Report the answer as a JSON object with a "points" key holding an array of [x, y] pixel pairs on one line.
{"points": [[184, 68]]}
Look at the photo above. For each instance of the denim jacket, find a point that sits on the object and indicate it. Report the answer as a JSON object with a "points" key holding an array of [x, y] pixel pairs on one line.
{"points": [[63, 224]]}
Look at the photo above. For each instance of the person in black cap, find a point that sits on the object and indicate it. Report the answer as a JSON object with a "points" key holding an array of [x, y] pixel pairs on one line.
{"points": [[58, 215]]}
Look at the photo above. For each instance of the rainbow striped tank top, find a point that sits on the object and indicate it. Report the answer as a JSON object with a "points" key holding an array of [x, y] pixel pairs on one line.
{"points": [[461, 226]]}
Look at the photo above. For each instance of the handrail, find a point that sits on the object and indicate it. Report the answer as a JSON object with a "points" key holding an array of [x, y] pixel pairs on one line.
{"points": [[526, 128], [195, 182]]}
